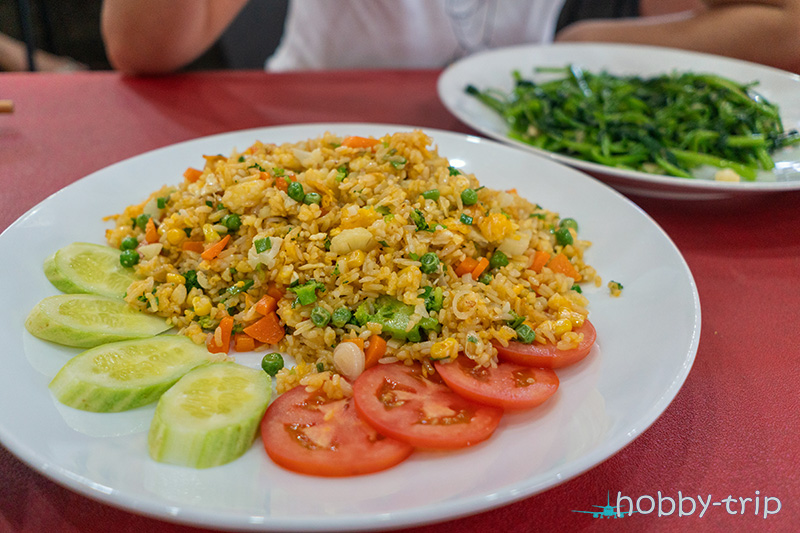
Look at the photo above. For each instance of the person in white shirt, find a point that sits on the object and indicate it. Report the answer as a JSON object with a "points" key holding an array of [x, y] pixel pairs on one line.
{"points": [[157, 36]]}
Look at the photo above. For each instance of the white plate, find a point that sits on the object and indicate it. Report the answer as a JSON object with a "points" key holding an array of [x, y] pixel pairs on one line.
{"points": [[493, 69], [604, 402]]}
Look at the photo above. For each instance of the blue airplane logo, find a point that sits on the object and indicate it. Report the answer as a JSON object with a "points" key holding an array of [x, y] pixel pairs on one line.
{"points": [[608, 510]]}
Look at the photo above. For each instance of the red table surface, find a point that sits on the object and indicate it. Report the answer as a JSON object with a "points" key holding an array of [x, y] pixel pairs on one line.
{"points": [[732, 430]]}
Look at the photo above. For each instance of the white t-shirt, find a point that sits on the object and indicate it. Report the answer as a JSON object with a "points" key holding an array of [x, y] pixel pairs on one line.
{"points": [[344, 34]]}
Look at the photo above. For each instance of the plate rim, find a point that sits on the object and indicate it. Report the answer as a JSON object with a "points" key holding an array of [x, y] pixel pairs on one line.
{"points": [[414, 516]]}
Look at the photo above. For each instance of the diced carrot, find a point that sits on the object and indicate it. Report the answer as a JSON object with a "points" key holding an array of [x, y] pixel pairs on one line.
{"points": [[193, 246], [375, 350], [282, 183], [560, 263], [214, 250], [267, 329], [540, 259], [482, 265], [275, 291], [192, 174], [267, 304], [221, 339], [466, 266], [263, 176], [150, 232], [512, 191], [359, 142], [243, 342], [358, 341]]}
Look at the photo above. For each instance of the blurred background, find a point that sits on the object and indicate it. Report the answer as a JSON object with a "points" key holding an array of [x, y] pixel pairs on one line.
{"points": [[64, 35]]}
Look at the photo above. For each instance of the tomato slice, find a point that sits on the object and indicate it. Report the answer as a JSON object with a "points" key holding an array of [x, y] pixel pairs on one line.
{"points": [[547, 355], [509, 385], [310, 434], [398, 401]]}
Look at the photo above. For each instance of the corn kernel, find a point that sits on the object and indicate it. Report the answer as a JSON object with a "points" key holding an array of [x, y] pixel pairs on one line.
{"points": [[209, 234], [201, 305], [175, 236], [561, 326], [559, 301], [177, 279], [355, 258]]}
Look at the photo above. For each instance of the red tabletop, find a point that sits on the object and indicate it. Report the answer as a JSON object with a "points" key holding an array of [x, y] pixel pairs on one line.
{"points": [[732, 432]]}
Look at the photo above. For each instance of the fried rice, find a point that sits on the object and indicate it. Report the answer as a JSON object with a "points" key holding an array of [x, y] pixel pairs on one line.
{"points": [[374, 221]]}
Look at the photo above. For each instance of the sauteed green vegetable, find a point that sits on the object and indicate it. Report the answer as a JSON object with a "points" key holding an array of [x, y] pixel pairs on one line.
{"points": [[668, 124]]}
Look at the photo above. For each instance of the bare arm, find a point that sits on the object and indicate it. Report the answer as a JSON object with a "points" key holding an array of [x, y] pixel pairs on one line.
{"points": [[762, 31], [153, 36]]}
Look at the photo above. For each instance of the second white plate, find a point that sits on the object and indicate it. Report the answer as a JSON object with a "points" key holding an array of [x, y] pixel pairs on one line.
{"points": [[492, 69]]}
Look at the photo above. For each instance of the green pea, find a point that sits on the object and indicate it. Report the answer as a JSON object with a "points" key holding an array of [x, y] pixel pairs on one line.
{"points": [[141, 221], [432, 194], [498, 259], [232, 221], [569, 223], [485, 278], [469, 197], [128, 258], [312, 198], [272, 363], [430, 263], [341, 316], [563, 236], [525, 334], [320, 316], [129, 243], [295, 191]]}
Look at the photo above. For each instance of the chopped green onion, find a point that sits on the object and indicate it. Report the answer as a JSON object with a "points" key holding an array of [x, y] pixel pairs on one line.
{"points": [[466, 219], [432, 194], [418, 218], [525, 334], [262, 245], [498, 259], [236, 288], [430, 263], [307, 293]]}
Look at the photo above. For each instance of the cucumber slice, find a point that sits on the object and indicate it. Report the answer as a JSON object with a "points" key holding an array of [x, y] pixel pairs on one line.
{"points": [[82, 267], [210, 416], [128, 374], [86, 321]]}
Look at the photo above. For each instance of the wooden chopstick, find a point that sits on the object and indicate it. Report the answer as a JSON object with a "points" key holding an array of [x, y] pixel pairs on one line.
{"points": [[6, 106]]}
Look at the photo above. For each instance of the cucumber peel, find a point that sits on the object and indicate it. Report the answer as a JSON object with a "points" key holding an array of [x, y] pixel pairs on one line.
{"points": [[86, 321], [210, 416], [127, 374], [90, 269]]}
